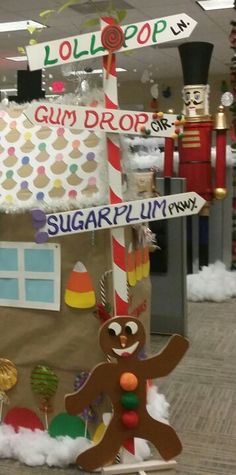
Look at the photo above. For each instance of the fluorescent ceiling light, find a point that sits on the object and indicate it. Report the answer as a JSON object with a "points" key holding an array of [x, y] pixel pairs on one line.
{"points": [[216, 4], [16, 58], [11, 89], [94, 71], [20, 25]]}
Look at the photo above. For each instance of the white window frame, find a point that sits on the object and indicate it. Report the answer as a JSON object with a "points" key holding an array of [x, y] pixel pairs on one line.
{"points": [[21, 275]]}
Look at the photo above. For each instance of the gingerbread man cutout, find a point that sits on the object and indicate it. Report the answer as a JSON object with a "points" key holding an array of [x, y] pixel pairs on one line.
{"points": [[125, 382]]}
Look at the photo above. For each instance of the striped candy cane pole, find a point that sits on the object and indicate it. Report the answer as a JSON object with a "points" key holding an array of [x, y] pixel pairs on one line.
{"points": [[115, 184]]}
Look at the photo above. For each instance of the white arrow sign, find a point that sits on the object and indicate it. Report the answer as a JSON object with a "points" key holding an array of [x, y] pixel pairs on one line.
{"points": [[105, 120], [122, 214], [87, 46]]}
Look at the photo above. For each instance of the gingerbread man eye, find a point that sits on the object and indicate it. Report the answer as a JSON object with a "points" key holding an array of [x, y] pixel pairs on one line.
{"points": [[131, 328], [114, 329]]}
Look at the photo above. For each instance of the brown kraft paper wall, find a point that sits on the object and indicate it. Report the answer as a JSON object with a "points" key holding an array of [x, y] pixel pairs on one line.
{"points": [[65, 340]]}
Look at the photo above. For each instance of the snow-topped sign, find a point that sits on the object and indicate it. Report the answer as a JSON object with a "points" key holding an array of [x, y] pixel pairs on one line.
{"points": [[121, 214], [89, 45]]}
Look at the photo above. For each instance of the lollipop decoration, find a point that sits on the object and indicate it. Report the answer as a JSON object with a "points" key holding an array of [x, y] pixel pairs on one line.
{"points": [[8, 379], [112, 38], [44, 382]]}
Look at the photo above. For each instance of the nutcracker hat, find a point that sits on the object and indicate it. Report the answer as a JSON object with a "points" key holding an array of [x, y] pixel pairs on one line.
{"points": [[29, 86], [195, 58]]}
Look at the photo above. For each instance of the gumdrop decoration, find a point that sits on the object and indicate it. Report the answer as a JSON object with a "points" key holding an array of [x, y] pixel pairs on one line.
{"points": [[64, 424], [23, 417]]}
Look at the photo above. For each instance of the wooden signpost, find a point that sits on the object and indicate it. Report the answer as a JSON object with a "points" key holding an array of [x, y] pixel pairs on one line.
{"points": [[87, 46], [104, 120], [118, 214]]}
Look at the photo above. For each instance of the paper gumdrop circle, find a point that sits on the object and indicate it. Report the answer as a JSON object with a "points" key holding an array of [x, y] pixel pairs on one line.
{"points": [[79, 290], [112, 37], [44, 381], [66, 425], [8, 374], [23, 417]]}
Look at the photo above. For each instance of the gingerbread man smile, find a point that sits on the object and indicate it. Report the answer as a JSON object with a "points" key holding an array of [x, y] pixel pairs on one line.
{"points": [[125, 351]]}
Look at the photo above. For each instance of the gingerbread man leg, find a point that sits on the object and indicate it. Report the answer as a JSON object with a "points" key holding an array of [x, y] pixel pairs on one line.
{"points": [[163, 437], [110, 444]]}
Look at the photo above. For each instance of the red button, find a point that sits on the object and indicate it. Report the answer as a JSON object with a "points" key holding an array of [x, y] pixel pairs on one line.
{"points": [[130, 419]]}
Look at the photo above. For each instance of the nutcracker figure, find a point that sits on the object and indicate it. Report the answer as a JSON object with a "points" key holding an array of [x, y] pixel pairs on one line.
{"points": [[195, 146]]}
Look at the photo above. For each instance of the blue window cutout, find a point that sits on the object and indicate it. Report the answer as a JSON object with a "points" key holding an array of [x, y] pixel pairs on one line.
{"points": [[38, 290], [9, 289], [39, 260], [8, 259]]}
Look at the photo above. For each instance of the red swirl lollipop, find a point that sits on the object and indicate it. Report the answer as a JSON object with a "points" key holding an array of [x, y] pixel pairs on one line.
{"points": [[112, 39]]}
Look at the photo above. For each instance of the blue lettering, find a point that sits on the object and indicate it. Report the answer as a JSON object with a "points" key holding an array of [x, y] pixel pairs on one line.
{"points": [[50, 222], [91, 219], [79, 224], [128, 218], [119, 210], [160, 205], [102, 214], [148, 215], [67, 228]]}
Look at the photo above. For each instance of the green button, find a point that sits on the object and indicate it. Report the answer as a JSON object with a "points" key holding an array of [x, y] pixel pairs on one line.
{"points": [[129, 400]]}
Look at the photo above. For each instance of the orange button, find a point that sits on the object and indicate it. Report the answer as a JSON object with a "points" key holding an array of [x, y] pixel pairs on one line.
{"points": [[128, 381]]}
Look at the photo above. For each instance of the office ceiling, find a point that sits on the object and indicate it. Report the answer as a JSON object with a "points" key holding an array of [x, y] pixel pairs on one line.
{"points": [[162, 61]]}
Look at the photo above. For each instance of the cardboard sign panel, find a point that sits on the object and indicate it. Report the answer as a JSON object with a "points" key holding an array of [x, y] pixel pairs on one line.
{"points": [[105, 120], [87, 46], [122, 214]]}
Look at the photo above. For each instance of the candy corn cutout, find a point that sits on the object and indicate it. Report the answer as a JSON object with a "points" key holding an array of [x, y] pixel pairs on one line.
{"points": [[131, 266], [138, 263], [145, 261], [79, 290]]}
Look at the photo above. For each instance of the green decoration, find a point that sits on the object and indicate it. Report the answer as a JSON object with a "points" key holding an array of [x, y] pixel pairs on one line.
{"points": [[121, 14], [44, 381], [65, 425], [129, 400], [46, 13], [66, 5]]}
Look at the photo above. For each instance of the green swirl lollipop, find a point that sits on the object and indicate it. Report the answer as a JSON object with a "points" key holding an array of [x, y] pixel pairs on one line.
{"points": [[44, 382]]}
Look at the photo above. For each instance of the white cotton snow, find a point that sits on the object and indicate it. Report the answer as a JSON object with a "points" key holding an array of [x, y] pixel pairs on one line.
{"points": [[213, 283], [35, 448], [38, 448]]}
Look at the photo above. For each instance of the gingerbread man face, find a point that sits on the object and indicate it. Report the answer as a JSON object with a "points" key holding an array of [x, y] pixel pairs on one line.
{"points": [[122, 337]]}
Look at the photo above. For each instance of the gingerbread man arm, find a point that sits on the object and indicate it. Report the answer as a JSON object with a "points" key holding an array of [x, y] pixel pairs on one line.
{"points": [[77, 401], [165, 361]]}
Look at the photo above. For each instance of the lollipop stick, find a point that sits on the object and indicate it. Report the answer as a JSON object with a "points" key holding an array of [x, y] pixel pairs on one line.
{"points": [[1, 407], [86, 428], [109, 60], [46, 419]]}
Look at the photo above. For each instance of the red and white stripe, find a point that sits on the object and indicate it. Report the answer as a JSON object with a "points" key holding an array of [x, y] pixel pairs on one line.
{"points": [[115, 187]]}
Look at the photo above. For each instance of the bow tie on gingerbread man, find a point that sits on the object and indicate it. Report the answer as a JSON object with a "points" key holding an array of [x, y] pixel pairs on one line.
{"points": [[125, 382]]}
